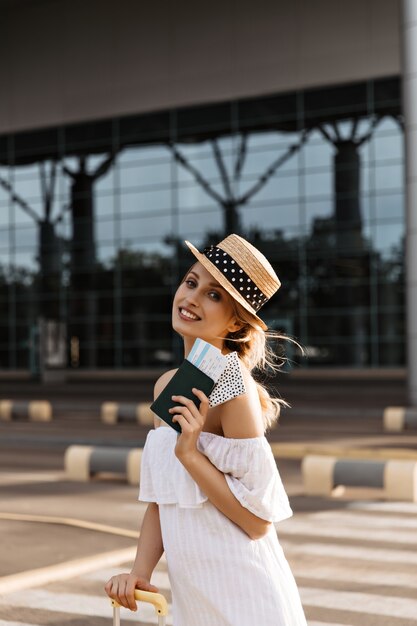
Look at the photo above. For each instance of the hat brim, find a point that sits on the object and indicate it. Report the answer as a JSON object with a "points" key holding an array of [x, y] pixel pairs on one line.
{"points": [[208, 265]]}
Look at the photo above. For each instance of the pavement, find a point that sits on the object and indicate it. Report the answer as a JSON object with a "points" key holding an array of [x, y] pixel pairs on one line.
{"points": [[354, 555]]}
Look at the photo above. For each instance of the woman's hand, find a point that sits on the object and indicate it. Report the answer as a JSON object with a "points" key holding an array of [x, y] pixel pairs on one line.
{"points": [[191, 419], [122, 589]]}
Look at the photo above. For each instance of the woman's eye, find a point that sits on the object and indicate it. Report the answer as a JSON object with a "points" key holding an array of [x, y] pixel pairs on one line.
{"points": [[214, 295], [190, 283]]}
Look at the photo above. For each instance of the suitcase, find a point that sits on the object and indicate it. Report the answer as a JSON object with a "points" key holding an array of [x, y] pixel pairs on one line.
{"points": [[157, 599]]}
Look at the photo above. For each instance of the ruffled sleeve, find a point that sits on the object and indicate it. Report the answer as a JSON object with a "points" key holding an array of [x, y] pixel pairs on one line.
{"points": [[163, 478], [248, 465], [251, 473]]}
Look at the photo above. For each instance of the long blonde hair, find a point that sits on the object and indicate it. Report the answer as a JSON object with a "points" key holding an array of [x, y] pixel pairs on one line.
{"points": [[252, 343]]}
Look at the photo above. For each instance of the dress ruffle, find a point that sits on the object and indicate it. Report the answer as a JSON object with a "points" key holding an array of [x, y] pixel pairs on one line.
{"points": [[248, 465]]}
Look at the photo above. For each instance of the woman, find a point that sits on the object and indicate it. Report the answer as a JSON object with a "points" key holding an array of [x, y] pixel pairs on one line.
{"points": [[214, 490]]}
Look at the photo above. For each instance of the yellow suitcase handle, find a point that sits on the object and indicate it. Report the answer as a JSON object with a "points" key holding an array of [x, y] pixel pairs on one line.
{"points": [[157, 599]]}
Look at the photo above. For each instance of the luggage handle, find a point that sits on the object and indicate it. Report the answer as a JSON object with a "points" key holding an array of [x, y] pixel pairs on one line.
{"points": [[157, 599]]}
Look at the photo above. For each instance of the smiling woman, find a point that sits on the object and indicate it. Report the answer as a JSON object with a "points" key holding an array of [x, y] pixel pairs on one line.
{"points": [[202, 308], [214, 490]]}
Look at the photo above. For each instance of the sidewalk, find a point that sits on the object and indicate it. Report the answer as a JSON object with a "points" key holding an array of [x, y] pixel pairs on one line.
{"points": [[327, 415]]}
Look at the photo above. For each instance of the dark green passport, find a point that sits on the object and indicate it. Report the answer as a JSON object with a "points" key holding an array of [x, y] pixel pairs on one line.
{"points": [[181, 384]]}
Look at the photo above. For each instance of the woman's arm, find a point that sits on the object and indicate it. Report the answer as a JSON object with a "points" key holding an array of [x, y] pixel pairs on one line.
{"points": [[150, 549], [211, 480], [150, 546], [213, 483]]}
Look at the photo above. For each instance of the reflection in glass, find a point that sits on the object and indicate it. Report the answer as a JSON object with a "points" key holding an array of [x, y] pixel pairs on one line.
{"points": [[92, 227]]}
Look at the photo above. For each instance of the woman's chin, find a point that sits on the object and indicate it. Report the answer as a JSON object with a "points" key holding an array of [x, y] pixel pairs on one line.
{"points": [[185, 329]]}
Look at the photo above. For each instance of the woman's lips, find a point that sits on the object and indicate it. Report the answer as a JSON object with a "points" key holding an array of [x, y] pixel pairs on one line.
{"points": [[187, 315]]}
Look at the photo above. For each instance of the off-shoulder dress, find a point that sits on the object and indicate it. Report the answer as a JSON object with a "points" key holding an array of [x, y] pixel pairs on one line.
{"points": [[218, 575]]}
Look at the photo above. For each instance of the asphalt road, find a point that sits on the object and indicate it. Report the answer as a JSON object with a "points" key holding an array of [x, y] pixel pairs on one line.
{"points": [[354, 556]]}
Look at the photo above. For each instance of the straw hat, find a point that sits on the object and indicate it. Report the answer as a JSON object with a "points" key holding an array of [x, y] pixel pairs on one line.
{"points": [[242, 271]]}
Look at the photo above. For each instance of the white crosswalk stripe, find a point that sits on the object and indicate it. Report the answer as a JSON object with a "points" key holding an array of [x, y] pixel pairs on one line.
{"points": [[362, 602], [351, 564], [296, 547], [368, 533], [387, 507], [3, 623], [75, 604]]}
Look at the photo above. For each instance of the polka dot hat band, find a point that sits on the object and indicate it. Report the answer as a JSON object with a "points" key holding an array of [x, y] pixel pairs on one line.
{"points": [[242, 270]]}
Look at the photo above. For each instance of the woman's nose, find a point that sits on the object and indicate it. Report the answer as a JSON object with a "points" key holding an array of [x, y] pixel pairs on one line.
{"points": [[193, 298]]}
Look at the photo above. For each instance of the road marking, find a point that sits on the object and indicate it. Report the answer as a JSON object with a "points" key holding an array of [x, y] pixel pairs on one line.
{"points": [[63, 571], [361, 519], [349, 575], [3, 623], [393, 507], [349, 552], [69, 521], [76, 604], [314, 624], [359, 602], [296, 526], [159, 578], [19, 478], [341, 449]]}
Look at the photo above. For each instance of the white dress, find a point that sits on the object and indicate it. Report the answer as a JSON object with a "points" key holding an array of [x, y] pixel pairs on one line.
{"points": [[218, 575]]}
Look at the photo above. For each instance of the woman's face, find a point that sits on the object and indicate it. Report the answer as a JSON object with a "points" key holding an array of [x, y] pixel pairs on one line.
{"points": [[202, 308]]}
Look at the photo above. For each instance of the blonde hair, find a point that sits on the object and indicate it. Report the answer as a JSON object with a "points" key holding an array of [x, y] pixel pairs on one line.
{"points": [[251, 343]]}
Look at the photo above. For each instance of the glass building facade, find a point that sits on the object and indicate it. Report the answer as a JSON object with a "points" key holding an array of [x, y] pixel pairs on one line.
{"points": [[93, 218]]}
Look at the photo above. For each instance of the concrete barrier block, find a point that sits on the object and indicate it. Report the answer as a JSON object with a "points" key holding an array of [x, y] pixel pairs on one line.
{"points": [[77, 462], [411, 417], [134, 459], [394, 418], [400, 480], [144, 414], [109, 412], [84, 462], [6, 407], [317, 474], [115, 412], [40, 411]]}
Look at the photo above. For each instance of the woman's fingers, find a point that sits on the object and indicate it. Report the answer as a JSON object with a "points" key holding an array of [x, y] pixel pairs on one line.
{"points": [[195, 412], [204, 401], [122, 590]]}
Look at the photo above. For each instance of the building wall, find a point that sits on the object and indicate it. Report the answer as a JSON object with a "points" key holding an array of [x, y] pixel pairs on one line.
{"points": [[72, 60]]}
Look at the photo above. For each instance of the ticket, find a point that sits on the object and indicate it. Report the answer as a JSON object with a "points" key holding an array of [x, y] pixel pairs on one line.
{"points": [[207, 358]]}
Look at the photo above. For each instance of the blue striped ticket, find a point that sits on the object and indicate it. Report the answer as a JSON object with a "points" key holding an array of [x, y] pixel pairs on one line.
{"points": [[207, 358]]}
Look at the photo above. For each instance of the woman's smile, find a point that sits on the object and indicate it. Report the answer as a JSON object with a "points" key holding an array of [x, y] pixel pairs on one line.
{"points": [[202, 308], [188, 315]]}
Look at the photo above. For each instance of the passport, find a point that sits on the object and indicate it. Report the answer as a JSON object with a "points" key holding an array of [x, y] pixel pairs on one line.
{"points": [[181, 384], [218, 376]]}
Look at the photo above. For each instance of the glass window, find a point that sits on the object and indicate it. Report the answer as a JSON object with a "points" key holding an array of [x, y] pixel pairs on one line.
{"points": [[94, 235]]}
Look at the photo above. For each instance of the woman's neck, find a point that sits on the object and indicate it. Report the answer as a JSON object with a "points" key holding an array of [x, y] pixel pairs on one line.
{"points": [[189, 342]]}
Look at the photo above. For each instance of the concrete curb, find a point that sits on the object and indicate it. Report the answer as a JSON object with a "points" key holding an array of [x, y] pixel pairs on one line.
{"points": [[297, 451]]}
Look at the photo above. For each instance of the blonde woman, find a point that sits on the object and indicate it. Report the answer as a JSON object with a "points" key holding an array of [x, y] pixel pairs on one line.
{"points": [[214, 490]]}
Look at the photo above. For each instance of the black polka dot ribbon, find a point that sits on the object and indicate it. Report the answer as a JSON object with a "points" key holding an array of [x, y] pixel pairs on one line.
{"points": [[236, 276]]}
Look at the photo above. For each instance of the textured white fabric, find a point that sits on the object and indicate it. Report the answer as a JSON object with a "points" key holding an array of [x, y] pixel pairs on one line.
{"points": [[218, 575]]}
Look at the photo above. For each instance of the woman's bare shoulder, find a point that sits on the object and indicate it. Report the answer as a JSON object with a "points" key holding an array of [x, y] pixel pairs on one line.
{"points": [[242, 417], [160, 384]]}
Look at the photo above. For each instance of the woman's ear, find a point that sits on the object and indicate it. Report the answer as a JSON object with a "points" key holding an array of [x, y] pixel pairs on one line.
{"points": [[234, 326]]}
